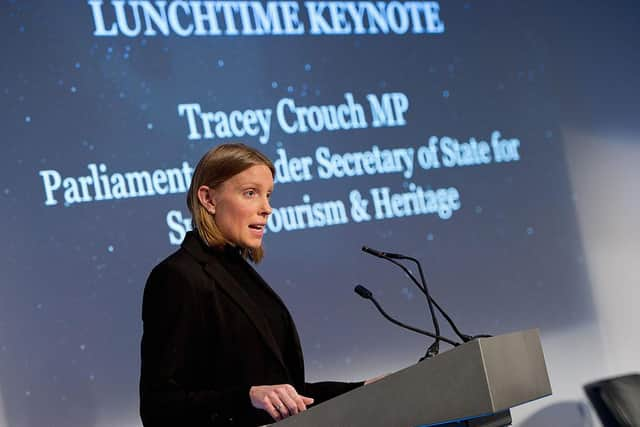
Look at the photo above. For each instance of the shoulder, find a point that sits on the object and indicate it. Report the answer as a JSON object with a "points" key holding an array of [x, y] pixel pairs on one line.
{"points": [[176, 283], [192, 268], [178, 263], [187, 263]]}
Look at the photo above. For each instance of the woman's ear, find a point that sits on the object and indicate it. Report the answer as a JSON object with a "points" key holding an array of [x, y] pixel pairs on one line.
{"points": [[206, 196]]}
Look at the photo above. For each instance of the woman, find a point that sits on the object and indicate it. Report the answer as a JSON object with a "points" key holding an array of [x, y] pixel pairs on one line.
{"points": [[219, 347]]}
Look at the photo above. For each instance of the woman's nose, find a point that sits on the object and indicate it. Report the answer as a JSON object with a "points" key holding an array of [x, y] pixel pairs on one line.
{"points": [[266, 208]]}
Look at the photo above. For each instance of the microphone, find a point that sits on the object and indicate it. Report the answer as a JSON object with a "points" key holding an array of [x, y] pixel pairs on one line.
{"points": [[391, 258], [435, 347], [363, 292], [367, 294]]}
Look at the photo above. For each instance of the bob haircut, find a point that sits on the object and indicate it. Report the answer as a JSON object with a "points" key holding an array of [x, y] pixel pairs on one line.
{"points": [[215, 167]]}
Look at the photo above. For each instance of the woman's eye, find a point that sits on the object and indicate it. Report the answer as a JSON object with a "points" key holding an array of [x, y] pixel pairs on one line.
{"points": [[250, 193]]}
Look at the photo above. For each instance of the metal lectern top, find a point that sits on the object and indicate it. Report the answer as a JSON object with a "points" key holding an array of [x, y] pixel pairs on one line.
{"points": [[480, 377]]}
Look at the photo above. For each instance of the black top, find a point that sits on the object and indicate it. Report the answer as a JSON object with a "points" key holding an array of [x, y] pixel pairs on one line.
{"points": [[212, 328], [261, 294]]}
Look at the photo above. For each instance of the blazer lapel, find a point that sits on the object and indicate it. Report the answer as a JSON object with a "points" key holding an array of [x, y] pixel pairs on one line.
{"points": [[231, 287], [294, 332]]}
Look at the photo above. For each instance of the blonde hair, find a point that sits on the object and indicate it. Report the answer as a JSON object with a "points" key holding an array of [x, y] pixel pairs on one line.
{"points": [[215, 167]]}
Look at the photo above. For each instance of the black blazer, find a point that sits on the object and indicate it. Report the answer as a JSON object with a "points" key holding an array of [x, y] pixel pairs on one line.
{"points": [[205, 343]]}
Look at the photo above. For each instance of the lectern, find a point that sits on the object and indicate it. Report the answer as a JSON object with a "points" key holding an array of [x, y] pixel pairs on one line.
{"points": [[474, 384]]}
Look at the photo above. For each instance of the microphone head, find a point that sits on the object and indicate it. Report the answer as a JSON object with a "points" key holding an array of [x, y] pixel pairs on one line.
{"points": [[363, 292], [371, 251], [381, 254]]}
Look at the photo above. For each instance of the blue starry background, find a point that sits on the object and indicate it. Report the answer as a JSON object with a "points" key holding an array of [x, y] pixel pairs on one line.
{"points": [[72, 276]]}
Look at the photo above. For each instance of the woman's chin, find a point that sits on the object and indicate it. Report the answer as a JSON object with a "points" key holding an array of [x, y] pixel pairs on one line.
{"points": [[253, 244]]}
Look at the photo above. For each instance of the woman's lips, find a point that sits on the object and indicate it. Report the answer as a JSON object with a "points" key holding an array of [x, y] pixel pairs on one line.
{"points": [[257, 228]]}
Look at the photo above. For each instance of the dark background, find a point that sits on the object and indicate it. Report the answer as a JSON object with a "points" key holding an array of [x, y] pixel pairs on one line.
{"points": [[510, 258]]}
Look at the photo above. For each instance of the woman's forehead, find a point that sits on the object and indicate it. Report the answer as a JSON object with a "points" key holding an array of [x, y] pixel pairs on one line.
{"points": [[257, 174]]}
